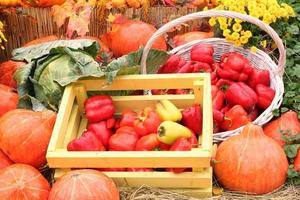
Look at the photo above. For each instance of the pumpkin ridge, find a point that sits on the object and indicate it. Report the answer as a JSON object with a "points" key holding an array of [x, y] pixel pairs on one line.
{"points": [[85, 186]]}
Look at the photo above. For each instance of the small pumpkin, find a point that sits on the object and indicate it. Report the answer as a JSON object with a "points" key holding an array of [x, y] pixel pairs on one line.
{"points": [[8, 99], [191, 36], [297, 161], [23, 182], [7, 70], [4, 160], [40, 40], [25, 135], [251, 162], [84, 184], [287, 123], [12, 3]]}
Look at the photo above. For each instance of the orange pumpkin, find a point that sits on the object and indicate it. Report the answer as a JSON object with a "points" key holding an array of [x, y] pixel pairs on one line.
{"points": [[84, 184], [40, 40], [8, 99], [251, 162], [287, 123], [23, 182], [191, 36], [4, 160], [10, 2], [7, 70], [297, 162], [25, 135], [43, 3]]}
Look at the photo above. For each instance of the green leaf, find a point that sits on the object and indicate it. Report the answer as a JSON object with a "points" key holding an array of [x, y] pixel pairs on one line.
{"points": [[293, 29], [276, 112], [291, 150], [130, 64], [29, 53], [291, 172], [29, 102]]}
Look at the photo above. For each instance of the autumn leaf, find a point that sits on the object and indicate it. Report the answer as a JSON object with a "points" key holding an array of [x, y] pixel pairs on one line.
{"points": [[111, 18], [62, 12]]}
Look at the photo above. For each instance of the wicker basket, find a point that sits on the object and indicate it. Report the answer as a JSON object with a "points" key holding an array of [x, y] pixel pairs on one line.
{"points": [[260, 59]]}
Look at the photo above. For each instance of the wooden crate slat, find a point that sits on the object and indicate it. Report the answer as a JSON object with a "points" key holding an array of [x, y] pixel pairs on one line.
{"points": [[106, 159]]}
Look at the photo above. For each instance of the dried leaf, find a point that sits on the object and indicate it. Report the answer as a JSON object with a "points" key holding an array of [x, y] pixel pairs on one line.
{"points": [[217, 191], [62, 12], [111, 18]]}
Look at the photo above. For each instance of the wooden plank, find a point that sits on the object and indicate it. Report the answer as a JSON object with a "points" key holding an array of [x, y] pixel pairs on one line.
{"points": [[145, 82], [207, 135], [62, 119], [72, 129], [81, 96], [82, 126], [111, 159], [157, 179]]}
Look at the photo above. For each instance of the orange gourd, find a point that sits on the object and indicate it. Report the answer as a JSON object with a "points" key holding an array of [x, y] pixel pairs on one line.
{"points": [[7, 70], [287, 123], [8, 99], [84, 184], [251, 162], [23, 182], [4, 160], [191, 36], [40, 40], [25, 135]]}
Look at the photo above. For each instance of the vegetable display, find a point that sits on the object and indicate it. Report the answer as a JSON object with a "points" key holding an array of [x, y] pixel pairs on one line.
{"points": [[84, 184], [35, 128], [21, 182], [245, 162]]}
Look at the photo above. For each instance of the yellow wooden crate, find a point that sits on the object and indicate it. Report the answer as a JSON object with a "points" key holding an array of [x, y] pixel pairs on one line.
{"points": [[71, 122]]}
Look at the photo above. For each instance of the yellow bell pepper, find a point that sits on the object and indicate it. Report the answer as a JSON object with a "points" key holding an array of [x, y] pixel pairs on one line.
{"points": [[167, 111], [168, 132]]}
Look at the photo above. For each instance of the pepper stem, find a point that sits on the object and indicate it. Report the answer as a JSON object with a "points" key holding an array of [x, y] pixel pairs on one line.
{"points": [[161, 131]]}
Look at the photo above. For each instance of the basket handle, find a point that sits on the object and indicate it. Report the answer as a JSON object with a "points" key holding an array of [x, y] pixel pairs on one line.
{"points": [[216, 13]]}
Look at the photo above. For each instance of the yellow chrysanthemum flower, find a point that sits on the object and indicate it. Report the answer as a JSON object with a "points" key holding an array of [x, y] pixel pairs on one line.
{"points": [[237, 43], [248, 34], [212, 21], [226, 32], [223, 27], [237, 27], [244, 40], [263, 43], [253, 49], [235, 36]]}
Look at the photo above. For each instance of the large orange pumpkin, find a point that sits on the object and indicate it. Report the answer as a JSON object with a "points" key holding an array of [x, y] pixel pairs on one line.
{"points": [[8, 99], [7, 70], [251, 162], [287, 123], [4, 160], [23, 182], [25, 135], [40, 40], [84, 184]]}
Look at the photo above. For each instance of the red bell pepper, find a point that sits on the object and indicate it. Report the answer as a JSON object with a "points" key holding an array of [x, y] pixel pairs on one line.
{"points": [[182, 91], [102, 132], [147, 122], [140, 170], [234, 66], [215, 66], [187, 68], [124, 139], [192, 118], [218, 116], [265, 96], [99, 108], [223, 84], [110, 123], [235, 118], [241, 94], [225, 109], [173, 64], [202, 53], [214, 78], [86, 142], [181, 144], [128, 117], [194, 140], [218, 97], [147, 143], [201, 67], [259, 77], [253, 114], [164, 147]]}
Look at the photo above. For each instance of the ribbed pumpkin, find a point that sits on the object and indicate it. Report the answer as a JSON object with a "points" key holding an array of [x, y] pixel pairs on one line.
{"points": [[84, 184], [7, 70], [4, 160], [251, 162], [23, 182], [297, 162], [8, 99], [287, 123]]}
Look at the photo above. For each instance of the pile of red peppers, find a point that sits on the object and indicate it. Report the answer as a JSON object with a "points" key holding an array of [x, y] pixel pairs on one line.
{"points": [[239, 91], [165, 128]]}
